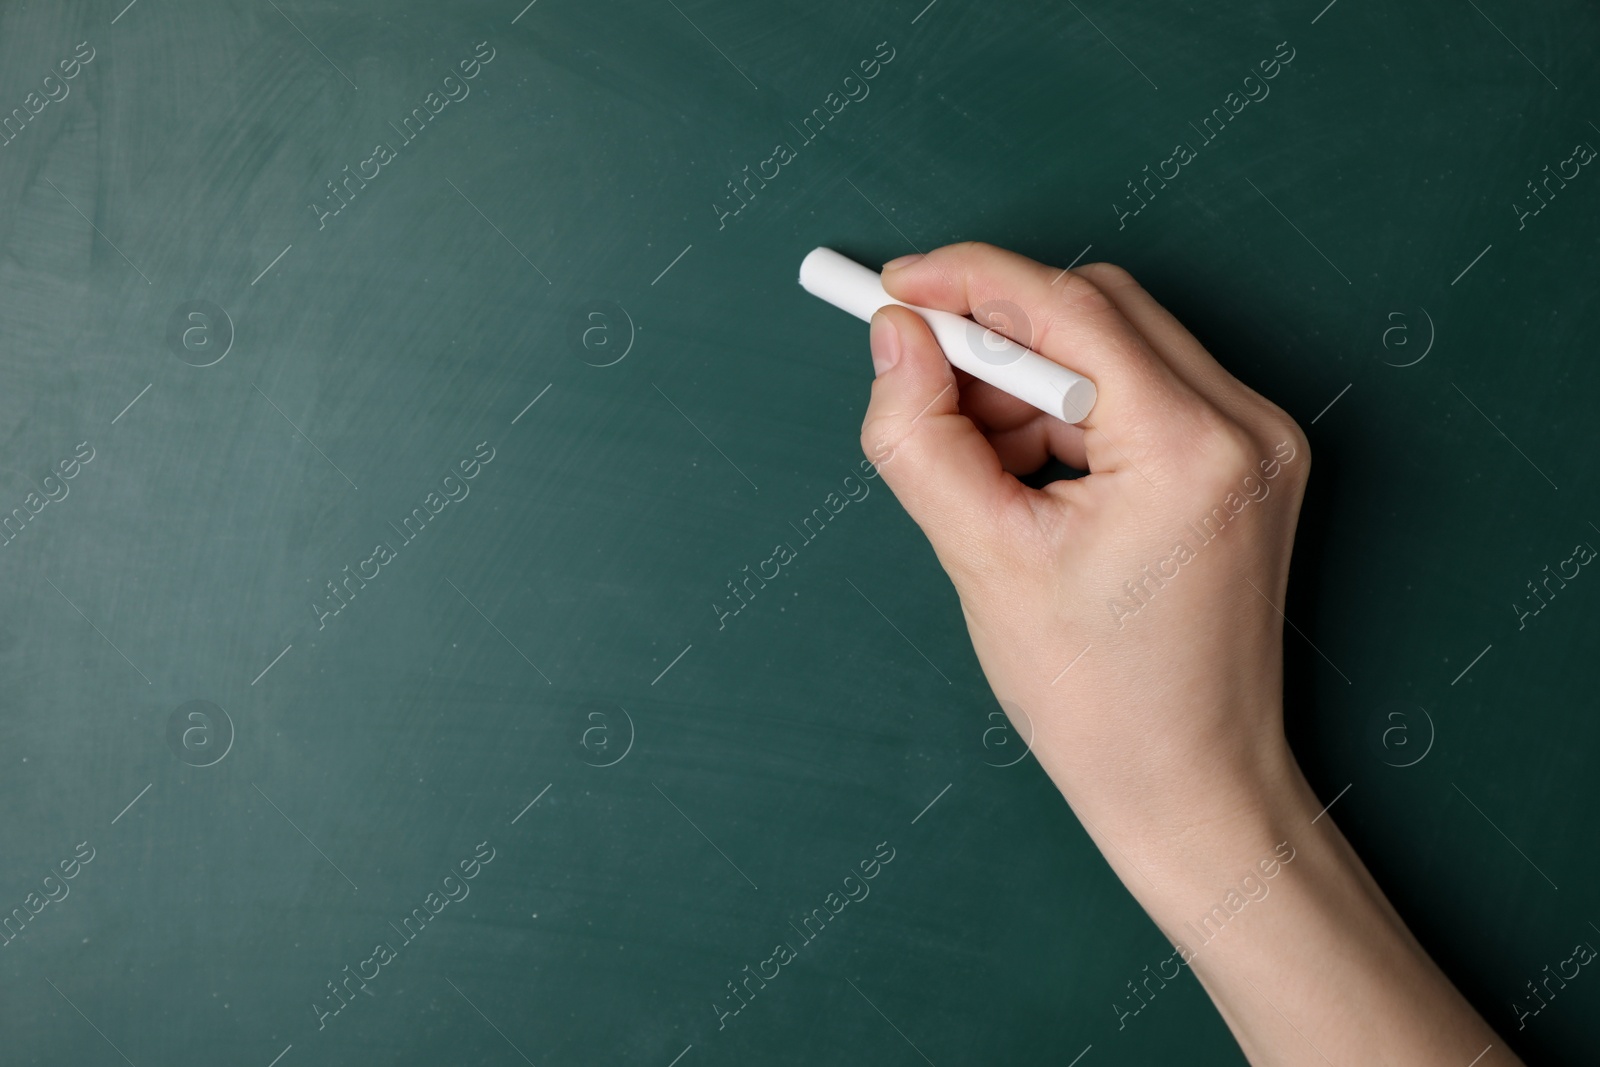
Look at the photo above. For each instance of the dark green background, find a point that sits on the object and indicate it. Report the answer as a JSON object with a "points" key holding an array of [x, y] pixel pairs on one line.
{"points": [[408, 330]]}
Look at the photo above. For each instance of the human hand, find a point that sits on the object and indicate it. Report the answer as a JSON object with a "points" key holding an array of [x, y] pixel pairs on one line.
{"points": [[1133, 614], [1132, 619]]}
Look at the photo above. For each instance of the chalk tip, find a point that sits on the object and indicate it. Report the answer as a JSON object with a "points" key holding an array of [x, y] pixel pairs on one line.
{"points": [[1078, 401]]}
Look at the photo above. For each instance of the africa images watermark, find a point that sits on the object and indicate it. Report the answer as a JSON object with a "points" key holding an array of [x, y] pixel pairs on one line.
{"points": [[12, 126], [784, 553], [1184, 153], [1582, 154], [53, 488], [602, 743], [855, 889], [1141, 591], [455, 489], [783, 153], [453, 889], [12, 925], [343, 193], [1582, 554], [1251, 889], [1582, 955]]}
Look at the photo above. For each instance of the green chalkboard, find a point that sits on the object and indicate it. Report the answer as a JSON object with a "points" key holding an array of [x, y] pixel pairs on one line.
{"points": [[396, 396]]}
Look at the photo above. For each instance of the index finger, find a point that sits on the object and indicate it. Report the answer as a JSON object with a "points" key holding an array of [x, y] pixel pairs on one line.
{"points": [[1065, 318]]}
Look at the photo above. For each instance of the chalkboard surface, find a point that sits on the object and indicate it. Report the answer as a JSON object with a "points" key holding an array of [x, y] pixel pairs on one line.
{"points": [[397, 397]]}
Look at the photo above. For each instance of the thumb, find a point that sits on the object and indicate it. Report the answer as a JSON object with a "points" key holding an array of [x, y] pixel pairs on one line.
{"points": [[938, 465]]}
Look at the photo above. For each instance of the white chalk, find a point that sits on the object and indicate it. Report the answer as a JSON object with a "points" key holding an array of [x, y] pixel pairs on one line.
{"points": [[981, 352]]}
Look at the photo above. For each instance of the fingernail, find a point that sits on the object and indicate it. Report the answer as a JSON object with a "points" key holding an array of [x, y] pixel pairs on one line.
{"points": [[903, 261], [885, 343]]}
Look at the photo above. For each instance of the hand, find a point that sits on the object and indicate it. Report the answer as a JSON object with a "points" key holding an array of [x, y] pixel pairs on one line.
{"points": [[1134, 617], [1154, 582]]}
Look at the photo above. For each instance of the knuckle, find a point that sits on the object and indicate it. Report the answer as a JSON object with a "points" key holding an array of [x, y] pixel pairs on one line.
{"points": [[968, 260], [965, 257], [1222, 452], [1300, 452], [891, 441], [1281, 430], [1081, 294], [1108, 276], [877, 439], [971, 249]]}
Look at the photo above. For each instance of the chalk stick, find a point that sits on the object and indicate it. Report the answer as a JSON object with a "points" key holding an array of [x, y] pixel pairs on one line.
{"points": [[981, 352]]}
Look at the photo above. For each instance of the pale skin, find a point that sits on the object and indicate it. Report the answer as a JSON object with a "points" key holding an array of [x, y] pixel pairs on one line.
{"points": [[1166, 736]]}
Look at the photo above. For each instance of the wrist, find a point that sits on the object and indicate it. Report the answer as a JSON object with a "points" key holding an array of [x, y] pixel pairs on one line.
{"points": [[1200, 823], [1265, 902]]}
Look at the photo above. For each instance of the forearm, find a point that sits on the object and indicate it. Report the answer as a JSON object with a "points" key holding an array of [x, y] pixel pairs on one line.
{"points": [[1269, 906]]}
